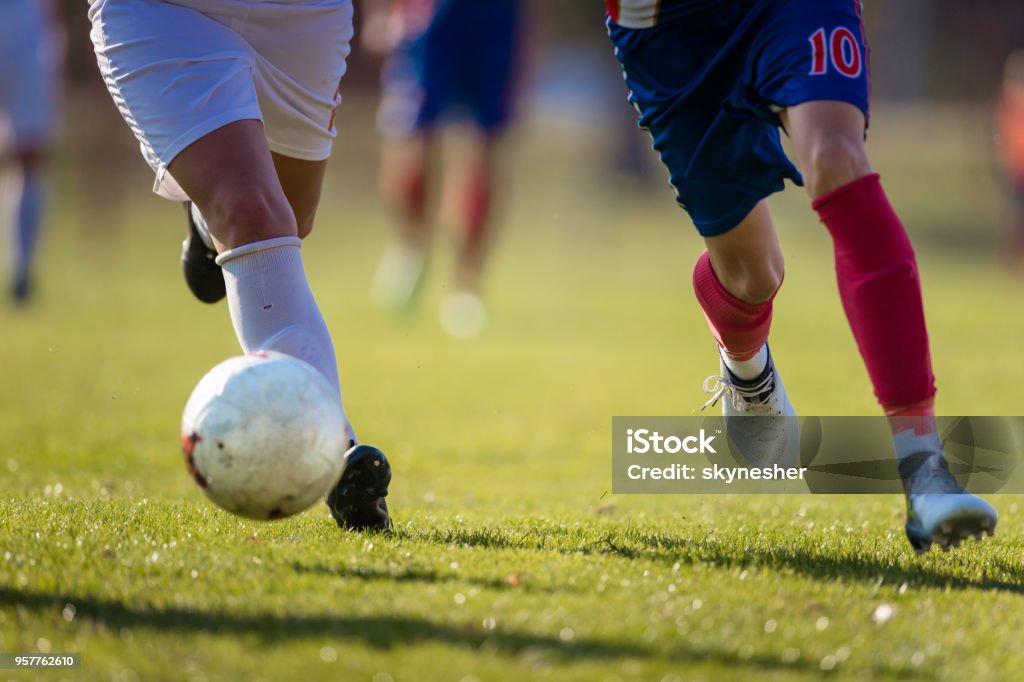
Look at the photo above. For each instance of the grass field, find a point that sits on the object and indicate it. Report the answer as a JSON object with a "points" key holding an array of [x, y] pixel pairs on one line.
{"points": [[511, 560]]}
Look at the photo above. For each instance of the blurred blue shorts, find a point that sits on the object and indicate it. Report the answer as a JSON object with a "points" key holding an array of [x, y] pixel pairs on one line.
{"points": [[462, 64], [709, 87]]}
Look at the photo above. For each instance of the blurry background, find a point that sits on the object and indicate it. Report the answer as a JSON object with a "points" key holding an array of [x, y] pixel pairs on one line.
{"points": [[500, 445], [936, 72], [944, 56], [591, 308]]}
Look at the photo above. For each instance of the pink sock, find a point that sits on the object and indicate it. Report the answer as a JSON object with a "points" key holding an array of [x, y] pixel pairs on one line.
{"points": [[740, 328], [880, 290]]}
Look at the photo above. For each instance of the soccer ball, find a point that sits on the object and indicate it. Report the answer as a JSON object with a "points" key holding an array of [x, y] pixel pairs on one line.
{"points": [[264, 435]]}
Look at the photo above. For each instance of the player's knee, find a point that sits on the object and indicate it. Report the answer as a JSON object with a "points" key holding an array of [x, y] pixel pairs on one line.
{"points": [[760, 286], [752, 283], [240, 216], [833, 162]]}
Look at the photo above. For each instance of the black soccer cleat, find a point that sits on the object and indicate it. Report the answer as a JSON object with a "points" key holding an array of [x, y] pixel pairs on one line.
{"points": [[357, 502], [202, 274], [21, 290]]}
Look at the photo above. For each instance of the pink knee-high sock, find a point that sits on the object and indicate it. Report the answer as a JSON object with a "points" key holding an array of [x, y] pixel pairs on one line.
{"points": [[740, 328], [881, 291]]}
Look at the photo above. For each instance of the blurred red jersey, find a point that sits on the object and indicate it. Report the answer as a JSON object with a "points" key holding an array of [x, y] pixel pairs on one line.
{"points": [[414, 15], [1010, 121]]}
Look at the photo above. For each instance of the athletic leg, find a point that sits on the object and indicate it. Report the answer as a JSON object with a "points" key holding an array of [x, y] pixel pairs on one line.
{"points": [[722, 167], [233, 179], [875, 262], [403, 181], [468, 208], [230, 176], [735, 282], [489, 85], [881, 295], [28, 218], [29, 86], [190, 88], [302, 182]]}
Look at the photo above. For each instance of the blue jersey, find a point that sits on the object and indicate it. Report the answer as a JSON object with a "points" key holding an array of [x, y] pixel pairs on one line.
{"points": [[29, 68], [455, 57], [709, 85]]}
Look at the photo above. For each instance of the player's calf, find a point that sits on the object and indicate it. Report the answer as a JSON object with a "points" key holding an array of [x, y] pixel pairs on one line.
{"points": [[243, 215]]}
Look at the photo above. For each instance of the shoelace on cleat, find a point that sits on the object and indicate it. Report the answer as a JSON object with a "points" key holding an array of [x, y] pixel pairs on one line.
{"points": [[754, 398]]}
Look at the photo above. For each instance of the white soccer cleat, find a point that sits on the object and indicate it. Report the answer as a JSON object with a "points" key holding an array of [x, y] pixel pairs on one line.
{"points": [[462, 315], [759, 418], [939, 510], [398, 276]]}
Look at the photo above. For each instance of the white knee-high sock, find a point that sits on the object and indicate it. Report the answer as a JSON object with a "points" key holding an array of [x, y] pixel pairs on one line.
{"points": [[272, 307]]}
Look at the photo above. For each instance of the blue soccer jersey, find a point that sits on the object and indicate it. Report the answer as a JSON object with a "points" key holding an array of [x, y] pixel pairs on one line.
{"points": [[710, 82], [455, 58]]}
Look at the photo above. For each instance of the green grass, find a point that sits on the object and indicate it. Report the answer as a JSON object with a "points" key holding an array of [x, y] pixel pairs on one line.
{"points": [[512, 560]]}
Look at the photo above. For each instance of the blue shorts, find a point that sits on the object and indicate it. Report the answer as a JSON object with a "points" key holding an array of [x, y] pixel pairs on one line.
{"points": [[709, 87], [463, 64]]}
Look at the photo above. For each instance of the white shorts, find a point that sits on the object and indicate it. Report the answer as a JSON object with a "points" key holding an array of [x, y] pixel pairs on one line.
{"points": [[180, 69], [29, 64]]}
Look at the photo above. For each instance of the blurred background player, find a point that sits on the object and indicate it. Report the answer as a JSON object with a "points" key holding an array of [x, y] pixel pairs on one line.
{"points": [[1010, 130], [447, 60], [31, 50], [233, 104], [714, 82]]}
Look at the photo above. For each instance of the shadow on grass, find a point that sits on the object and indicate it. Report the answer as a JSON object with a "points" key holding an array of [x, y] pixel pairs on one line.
{"points": [[816, 564], [392, 632], [424, 576], [809, 561]]}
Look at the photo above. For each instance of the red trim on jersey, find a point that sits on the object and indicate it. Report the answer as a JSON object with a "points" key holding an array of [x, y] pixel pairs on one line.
{"points": [[334, 111], [612, 8]]}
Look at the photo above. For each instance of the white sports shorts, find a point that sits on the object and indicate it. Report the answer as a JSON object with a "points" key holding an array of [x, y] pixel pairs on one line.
{"points": [[180, 69], [29, 67]]}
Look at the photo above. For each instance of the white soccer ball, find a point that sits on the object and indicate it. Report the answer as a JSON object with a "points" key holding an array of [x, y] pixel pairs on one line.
{"points": [[264, 435]]}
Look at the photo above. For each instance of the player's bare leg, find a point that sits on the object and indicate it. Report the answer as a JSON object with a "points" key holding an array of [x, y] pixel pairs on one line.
{"points": [[881, 294], [735, 282], [357, 501], [233, 179], [301, 181], [748, 258], [403, 185], [468, 209], [29, 162]]}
